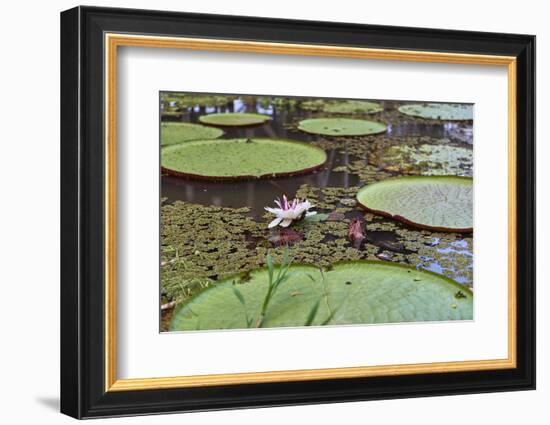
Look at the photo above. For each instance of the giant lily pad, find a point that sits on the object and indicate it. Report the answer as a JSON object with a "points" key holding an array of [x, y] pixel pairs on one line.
{"points": [[441, 203], [352, 107], [172, 133], [231, 119], [439, 111], [236, 159], [358, 292], [341, 127]]}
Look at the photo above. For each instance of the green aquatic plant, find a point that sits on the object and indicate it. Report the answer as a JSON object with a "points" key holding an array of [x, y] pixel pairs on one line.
{"points": [[333, 106], [241, 159], [358, 292], [425, 159], [352, 107], [443, 203], [172, 133], [340, 126], [439, 111], [190, 100], [233, 119], [274, 282]]}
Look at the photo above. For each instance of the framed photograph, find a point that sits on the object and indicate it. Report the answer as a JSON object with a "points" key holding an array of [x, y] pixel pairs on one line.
{"points": [[261, 212]]}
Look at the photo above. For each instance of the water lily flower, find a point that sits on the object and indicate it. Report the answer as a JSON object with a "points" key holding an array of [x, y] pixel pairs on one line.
{"points": [[289, 211]]}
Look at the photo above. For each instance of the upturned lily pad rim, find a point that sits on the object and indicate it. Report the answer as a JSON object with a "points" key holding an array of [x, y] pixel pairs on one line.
{"points": [[383, 130], [410, 222], [242, 275], [192, 176], [266, 119]]}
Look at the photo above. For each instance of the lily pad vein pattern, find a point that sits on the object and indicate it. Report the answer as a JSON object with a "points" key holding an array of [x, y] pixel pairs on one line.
{"points": [[442, 203], [350, 293]]}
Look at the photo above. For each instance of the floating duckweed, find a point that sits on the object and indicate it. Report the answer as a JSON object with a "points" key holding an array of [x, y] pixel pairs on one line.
{"points": [[426, 159]]}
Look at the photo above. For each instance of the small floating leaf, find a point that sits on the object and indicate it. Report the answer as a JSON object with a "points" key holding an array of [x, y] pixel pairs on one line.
{"points": [[439, 111], [239, 159], [172, 133], [442, 203], [381, 292], [232, 119], [341, 126]]}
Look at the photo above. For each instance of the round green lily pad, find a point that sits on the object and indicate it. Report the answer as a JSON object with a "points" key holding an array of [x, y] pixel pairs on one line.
{"points": [[241, 159], [352, 107], [172, 133], [341, 127], [439, 111], [360, 292], [441, 203], [426, 159], [231, 119]]}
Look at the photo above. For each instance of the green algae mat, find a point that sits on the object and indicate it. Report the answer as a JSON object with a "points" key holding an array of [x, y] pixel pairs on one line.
{"points": [[439, 111], [341, 127], [241, 159], [172, 133], [360, 292], [441, 203], [231, 119]]}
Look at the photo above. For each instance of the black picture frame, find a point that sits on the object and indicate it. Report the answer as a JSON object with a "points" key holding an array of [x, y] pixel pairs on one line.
{"points": [[83, 392]]}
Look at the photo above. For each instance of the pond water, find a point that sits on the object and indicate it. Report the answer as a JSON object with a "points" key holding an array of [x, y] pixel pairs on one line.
{"points": [[336, 182], [257, 194]]}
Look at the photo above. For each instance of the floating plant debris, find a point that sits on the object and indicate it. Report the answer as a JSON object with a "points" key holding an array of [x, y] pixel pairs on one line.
{"points": [[241, 159], [172, 133], [441, 203], [231, 119], [341, 126], [425, 159], [439, 111], [354, 292]]}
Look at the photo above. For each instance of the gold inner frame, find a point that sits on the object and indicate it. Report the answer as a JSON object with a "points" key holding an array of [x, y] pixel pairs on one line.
{"points": [[113, 41]]}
